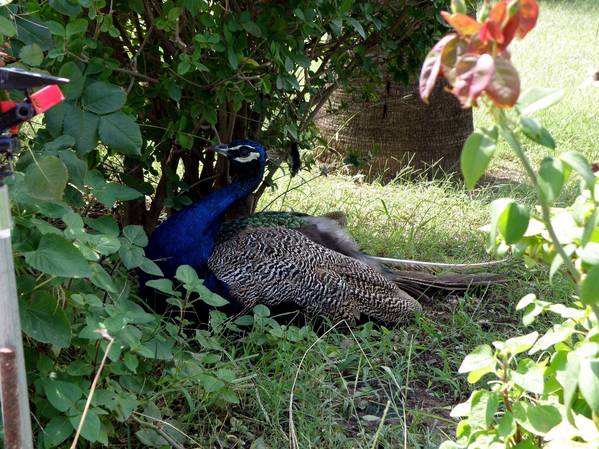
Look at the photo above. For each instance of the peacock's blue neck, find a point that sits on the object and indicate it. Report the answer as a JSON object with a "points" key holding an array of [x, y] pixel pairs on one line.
{"points": [[187, 237]]}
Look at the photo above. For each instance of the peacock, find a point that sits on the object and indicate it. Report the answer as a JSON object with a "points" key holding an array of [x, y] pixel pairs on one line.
{"points": [[287, 260]]}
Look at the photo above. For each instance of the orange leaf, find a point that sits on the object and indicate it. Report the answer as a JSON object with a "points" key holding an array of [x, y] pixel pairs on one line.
{"points": [[498, 13], [491, 31], [463, 24], [528, 11]]}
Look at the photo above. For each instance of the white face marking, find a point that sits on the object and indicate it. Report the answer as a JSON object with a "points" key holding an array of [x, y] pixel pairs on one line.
{"points": [[252, 156]]}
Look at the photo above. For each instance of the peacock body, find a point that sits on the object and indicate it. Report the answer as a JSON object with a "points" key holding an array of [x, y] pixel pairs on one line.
{"points": [[283, 258]]}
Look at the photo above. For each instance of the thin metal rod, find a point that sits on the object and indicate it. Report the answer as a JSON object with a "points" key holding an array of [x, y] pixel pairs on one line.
{"points": [[13, 381]]}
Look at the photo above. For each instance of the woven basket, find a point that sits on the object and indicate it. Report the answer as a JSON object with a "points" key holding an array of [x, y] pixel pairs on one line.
{"points": [[397, 132]]}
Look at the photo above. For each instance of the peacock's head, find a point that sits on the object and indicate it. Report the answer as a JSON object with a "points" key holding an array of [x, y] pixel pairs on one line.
{"points": [[245, 156]]}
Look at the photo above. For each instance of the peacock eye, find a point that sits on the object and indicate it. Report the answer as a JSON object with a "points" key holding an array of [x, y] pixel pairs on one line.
{"points": [[244, 152]]}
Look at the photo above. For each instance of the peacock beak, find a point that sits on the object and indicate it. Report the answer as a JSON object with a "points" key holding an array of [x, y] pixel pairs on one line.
{"points": [[221, 148]]}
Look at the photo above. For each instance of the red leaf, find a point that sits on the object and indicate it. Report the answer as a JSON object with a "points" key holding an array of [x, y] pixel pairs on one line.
{"points": [[509, 30], [528, 12], [463, 24], [474, 76], [499, 13], [504, 88], [491, 31], [432, 66]]}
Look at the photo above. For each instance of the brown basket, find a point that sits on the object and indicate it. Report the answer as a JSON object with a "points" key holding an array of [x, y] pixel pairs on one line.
{"points": [[397, 132]]}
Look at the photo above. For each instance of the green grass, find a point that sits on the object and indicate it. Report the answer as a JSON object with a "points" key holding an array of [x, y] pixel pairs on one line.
{"points": [[343, 380]]}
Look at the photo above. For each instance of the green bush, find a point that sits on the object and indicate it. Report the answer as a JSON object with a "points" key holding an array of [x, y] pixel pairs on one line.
{"points": [[151, 84]]}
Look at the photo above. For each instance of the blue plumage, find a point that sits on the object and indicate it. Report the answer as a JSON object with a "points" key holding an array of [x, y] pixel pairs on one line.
{"points": [[187, 237]]}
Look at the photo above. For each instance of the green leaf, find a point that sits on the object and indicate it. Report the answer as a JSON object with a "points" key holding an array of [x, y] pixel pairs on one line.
{"points": [[537, 133], [357, 26], [517, 345], [104, 244], [483, 407], [102, 98], [57, 431], [589, 287], [65, 7], [76, 167], [476, 155], [60, 143], [121, 133], [74, 88], [55, 118], [62, 395], [83, 126], [588, 382], [58, 257], [509, 218], [46, 178], [45, 321], [210, 297], [232, 58], [530, 377], [252, 28], [537, 419], [7, 28], [148, 266], [579, 163], [479, 362], [132, 256], [76, 26], [164, 286], [537, 99], [187, 275], [31, 55], [136, 235], [507, 426], [157, 348], [100, 278], [211, 384], [104, 224], [91, 426], [551, 179]]}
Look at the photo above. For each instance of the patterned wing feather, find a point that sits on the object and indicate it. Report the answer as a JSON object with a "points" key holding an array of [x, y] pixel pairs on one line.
{"points": [[275, 266]]}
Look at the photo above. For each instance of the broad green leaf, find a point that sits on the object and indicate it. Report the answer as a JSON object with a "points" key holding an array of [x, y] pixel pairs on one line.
{"points": [[211, 384], [567, 376], [148, 266], [557, 334], [136, 235], [56, 431], [537, 99], [509, 218], [76, 26], [46, 178], [57, 256], [476, 155], [65, 7], [31, 55], [537, 419], [91, 426], [579, 163], [74, 88], [588, 382], [103, 98], [232, 58], [60, 143], [187, 275], [62, 395], [45, 321], [157, 348], [517, 345], [7, 28], [507, 426], [482, 409], [357, 26], [121, 133], [252, 28], [76, 167], [589, 287], [131, 255], [104, 244], [105, 224], [100, 278], [55, 118], [551, 179], [56, 28], [480, 357], [530, 377], [163, 285], [537, 133], [83, 126], [209, 297]]}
